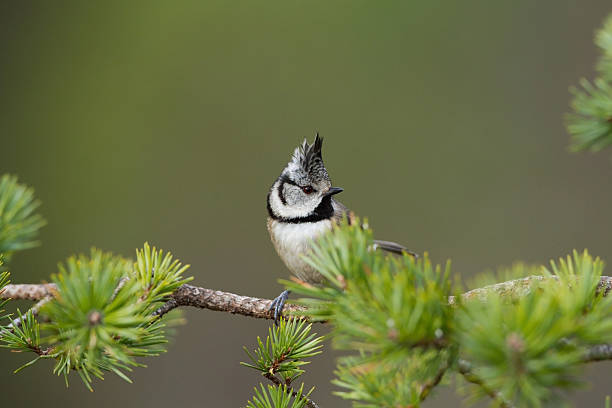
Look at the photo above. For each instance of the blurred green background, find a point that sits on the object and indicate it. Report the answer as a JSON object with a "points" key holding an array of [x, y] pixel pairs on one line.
{"points": [[168, 121]]}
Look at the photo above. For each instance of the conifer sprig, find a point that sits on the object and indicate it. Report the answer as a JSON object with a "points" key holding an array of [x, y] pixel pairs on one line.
{"points": [[278, 397], [90, 321], [394, 315], [392, 312], [280, 359], [19, 224], [158, 274], [24, 338], [531, 349], [99, 319], [4, 280], [285, 350], [590, 123], [402, 380]]}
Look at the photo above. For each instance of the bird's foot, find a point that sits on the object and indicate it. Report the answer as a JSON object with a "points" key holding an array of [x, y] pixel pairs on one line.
{"points": [[278, 304]]}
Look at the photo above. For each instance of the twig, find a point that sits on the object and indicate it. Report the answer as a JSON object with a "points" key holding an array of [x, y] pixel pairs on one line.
{"points": [[120, 285], [188, 295], [430, 385], [465, 368], [28, 291], [42, 352], [166, 307], [598, 353]]}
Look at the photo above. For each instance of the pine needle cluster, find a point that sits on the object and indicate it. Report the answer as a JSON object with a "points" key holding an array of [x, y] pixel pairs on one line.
{"points": [[19, 223], [280, 359], [403, 335], [278, 397], [590, 123], [4, 280], [531, 348], [100, 317]]}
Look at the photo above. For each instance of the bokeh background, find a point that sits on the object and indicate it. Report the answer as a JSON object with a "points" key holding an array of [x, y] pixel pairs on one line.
{"points": [[168, 121]]}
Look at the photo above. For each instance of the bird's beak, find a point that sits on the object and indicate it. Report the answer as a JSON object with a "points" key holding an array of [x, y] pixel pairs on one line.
{"points": [[333, 190]]}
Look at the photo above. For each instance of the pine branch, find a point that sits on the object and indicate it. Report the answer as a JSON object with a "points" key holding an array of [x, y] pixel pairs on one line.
{"points": [[28, 291], [186, 295], [598, 353], [203, 298], [520, 287]]}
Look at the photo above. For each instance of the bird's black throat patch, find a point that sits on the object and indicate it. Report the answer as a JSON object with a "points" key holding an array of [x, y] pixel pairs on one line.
{"points": [[324, 211]]}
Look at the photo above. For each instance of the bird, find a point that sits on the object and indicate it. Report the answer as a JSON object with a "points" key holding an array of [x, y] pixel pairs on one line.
{"points": [[301, 207]]}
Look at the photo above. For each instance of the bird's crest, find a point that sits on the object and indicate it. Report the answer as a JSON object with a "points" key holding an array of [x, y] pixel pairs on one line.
{"points": [[308, 158]]}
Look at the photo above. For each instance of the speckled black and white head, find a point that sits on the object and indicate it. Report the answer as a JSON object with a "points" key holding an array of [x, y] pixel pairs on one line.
{"points": [[303, 192]]}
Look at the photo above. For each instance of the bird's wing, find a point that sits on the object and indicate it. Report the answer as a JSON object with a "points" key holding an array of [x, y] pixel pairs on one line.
{"points": [[340, 211]]}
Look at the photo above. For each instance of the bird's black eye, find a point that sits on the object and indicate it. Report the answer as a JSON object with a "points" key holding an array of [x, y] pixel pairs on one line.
{"points": [[307, 189]]}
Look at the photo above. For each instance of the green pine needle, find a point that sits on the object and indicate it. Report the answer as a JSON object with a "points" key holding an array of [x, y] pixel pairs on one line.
{"points": [[392, 312], [19, 224], [530, 348], [285, 349], [100, 318], [91, 322], [278, 397], [23, 337], [375, 384], [590, 124], [158, 274], [4, 280]]}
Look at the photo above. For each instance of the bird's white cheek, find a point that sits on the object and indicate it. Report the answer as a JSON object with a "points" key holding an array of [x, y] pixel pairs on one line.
{"points": [[289, 211]]}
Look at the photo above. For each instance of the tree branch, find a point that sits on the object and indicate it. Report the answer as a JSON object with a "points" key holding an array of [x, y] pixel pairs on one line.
{"points": [[189, 295], [28, 291], [186, 295], [520, 287], [194, 296], [598, 353]]}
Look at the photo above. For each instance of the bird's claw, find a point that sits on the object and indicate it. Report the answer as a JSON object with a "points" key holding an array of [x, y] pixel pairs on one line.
{"points": [[278, 304]]}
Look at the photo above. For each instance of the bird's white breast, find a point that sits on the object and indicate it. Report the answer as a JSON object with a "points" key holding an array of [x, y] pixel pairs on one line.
{"points": [[294, 240]]}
